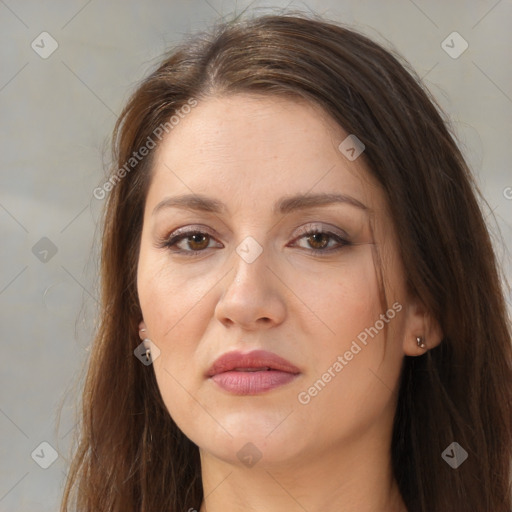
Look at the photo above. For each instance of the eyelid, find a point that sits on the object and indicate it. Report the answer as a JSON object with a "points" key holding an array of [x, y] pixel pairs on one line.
{"points": [[178, 235], [310, 226], [323, 227], [184, 231]]}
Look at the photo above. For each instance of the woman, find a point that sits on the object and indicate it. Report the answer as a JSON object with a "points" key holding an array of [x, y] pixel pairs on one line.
{"points": [[301, 305]]}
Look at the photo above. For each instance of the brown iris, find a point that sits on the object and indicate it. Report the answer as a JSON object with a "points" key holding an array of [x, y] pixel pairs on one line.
{"points": [[323, 236], [192, 239]]}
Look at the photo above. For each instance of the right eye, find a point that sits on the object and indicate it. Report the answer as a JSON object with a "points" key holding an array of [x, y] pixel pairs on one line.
{"points": [[197, 241]]}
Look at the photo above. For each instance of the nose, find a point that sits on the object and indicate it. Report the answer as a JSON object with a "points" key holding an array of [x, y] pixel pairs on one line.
{"points": [[253, 296]]}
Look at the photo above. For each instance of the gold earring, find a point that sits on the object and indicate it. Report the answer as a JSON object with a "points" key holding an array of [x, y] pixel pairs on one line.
{"points": [[419, 342]]}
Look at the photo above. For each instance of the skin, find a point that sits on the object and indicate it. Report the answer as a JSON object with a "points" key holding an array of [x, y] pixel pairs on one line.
{"points": [[333, 453]]}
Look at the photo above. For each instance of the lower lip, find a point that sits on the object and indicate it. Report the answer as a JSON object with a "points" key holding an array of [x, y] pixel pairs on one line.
{"points": [[252, 383]]}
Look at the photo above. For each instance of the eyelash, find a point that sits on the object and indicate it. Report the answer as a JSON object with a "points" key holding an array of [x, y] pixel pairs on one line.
{"points": [[170, 241]]}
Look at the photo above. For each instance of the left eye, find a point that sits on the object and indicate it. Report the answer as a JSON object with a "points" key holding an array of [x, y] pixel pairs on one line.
{"points": [[196, 238], [320, 239], [198, 241]]}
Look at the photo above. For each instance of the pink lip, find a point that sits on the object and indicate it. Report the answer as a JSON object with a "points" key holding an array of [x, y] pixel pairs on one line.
{"points": [[275, 371]]}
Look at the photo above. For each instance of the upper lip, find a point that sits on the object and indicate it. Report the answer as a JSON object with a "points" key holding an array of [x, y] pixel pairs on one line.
{"points": [[254, 359]]}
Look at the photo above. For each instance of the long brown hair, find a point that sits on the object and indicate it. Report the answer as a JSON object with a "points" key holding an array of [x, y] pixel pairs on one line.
{"points": [[130, 455]]}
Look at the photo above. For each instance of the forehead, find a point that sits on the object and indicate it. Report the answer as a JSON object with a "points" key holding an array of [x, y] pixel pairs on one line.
{"points": [[249, 149]]}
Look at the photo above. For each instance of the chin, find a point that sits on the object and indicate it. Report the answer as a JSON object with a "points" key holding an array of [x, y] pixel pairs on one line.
{"points": [[252, 452], [251, 443]]}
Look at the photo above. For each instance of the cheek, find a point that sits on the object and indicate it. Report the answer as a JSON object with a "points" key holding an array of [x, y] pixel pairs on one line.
{"points": [[344, 296], [174, 314], [169, 293], [177, 307], [347, 300]]}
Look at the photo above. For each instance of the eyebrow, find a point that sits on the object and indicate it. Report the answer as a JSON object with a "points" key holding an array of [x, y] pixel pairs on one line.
{"points": [[287, 204]]}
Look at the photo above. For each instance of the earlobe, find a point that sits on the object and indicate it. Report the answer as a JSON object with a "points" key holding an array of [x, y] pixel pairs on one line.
{"points": [[142, 330], [422, 330]]}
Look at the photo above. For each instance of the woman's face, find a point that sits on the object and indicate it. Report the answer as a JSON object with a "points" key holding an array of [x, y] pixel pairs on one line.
{"points": [[258, 281]]}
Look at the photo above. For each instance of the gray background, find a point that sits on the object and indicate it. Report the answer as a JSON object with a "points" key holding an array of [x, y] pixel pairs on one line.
{"points": [[56, 117]]}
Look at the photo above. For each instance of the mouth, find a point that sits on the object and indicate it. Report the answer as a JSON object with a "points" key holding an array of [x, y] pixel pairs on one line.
{"points": [[251, 369], [251, 373]]}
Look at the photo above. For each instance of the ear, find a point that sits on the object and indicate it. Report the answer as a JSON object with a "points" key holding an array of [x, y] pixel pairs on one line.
{"points": [[143, 333], [419, 323]]}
